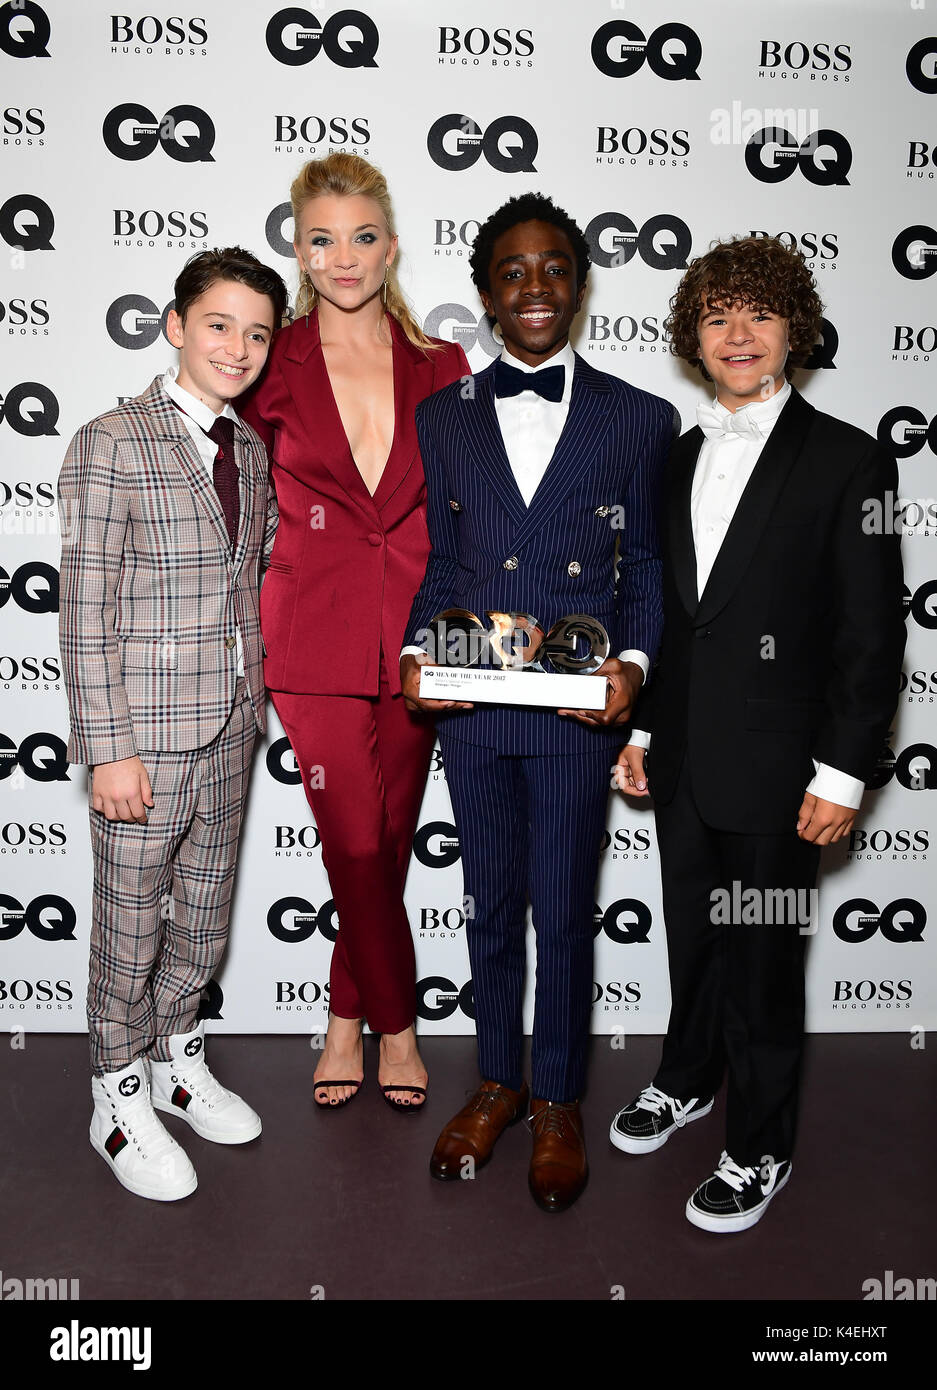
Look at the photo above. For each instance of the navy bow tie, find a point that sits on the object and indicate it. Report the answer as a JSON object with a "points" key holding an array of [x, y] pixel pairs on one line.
{"points": [[548, 382]]}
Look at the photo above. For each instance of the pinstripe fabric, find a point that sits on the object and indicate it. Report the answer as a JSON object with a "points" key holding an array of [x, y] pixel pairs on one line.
{"points": [[147, 969], [530, 827], [150, 588], [610, 454]]}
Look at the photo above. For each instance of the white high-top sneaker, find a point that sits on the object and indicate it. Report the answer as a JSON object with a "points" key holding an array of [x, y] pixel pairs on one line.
{"points": [[185, 1087], [135, 1143]]}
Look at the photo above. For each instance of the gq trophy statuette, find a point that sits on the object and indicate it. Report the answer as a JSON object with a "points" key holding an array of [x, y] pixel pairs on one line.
{"points": [[514, 662]]}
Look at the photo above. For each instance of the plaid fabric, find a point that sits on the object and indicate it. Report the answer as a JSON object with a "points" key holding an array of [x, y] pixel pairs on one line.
{"points": [[151, 589], [162, 894]]}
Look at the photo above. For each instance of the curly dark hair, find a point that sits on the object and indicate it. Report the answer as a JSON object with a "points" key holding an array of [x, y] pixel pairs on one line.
{"points": [[760, 272], [528, 207]]}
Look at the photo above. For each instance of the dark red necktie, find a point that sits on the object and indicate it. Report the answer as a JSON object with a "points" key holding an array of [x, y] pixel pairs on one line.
{"points": [[225, 473]]}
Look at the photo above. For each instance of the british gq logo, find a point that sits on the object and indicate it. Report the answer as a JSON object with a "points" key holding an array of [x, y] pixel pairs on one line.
{"points": [[663, 242], [34, 587], [921, 66], [24, 29], [922, 604], [672, 51], [914, 252], [42, 756], [48, 918], [904, 431], [295, 919], [626, 921], [30, 409], [133, 321], [27, 223], [186, 133], [824, 158], [509, 144], [348, 38]]}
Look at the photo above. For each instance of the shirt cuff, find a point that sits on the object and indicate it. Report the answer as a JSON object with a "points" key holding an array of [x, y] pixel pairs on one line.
{"points": [[413, 651], [640, 738], [831, 785], [638, 658]]}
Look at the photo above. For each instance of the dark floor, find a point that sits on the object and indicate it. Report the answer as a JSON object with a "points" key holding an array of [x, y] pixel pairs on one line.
{"points": [[343, 1199]]}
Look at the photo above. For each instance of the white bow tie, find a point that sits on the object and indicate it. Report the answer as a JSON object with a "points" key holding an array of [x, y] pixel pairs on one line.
{"points": [[722, 424]]}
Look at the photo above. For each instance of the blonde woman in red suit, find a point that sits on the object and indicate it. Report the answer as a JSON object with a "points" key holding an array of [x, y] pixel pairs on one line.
{"points": [[335, 409]]}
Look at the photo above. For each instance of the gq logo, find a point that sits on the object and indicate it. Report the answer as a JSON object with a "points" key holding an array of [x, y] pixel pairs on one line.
{"points": [[436, 844], [281, 763], [295, 919], [350, 38], [916, 433], [859, 920], [146, 132], [663, 242], [921, 66], [35, 234], [129, 1086], [41, 756], [673, 51], [627, 921], [273, 227], [34, 587], [49, 918], [824, 158], [824, 349], [133, 321], [437, 997], [914, 252], [922, 604], [463, 327], [914, 768], [30, 409], [21, 40], [457, 142]]}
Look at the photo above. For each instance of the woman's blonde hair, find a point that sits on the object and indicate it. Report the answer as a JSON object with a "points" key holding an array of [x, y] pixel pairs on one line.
{"points": [[348, 175]]}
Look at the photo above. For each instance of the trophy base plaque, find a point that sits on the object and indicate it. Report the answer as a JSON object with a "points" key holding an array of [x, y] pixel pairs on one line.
{"points": [[486, 686]]}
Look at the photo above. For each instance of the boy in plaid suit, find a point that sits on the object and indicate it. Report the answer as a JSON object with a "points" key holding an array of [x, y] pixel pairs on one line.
{"points": [[167, 519]]}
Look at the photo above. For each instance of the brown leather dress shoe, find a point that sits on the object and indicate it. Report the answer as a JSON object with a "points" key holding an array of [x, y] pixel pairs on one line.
{"points": [[473, 1132], [558, 1167]]}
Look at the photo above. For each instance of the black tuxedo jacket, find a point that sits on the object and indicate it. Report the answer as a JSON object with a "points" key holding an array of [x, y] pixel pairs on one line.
{"points": [[793, 650]]}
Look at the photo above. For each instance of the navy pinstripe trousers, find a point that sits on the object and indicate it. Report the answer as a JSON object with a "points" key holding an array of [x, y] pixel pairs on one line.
{"points": [[530, 828]]}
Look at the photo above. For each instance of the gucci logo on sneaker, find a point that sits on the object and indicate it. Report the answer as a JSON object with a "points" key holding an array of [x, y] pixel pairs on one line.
{"points": [[192, 1046], [129, 1086]]}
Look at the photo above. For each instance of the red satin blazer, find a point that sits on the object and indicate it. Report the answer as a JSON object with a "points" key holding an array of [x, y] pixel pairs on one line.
{"points": [[345, 565]]}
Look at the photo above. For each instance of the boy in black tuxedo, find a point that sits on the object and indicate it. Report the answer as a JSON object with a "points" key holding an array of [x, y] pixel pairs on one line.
{"points": [[782, 644]]}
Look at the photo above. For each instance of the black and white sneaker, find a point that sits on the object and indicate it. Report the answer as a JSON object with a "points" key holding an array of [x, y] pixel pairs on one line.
{"points": [[648, 1122], [734, 1198]]}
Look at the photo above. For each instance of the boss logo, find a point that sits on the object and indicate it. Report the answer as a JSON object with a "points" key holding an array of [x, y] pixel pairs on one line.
{"points": [[33, 587], [921, 65], [24, 29], [437, 997], [889, 841], [288, 837], [186, 133], [30, 409], [129, 1086], [23, 123], [509, 144], [27, 223], [49, 918], [281, 763], [447, 919], [820, 58], [306, 992], [634, 142], [448, 234], [824, 349], [349, 38], [149, 30], [29, 668], [133, 321], [673, 51], [41, 756], [27, 494], [814, 245], [314, 130], [922, 604], [614, 995], [914, 344], [436, 844], [44, 991], [920, 154], [464, 327], [17, 313], [295, 919], [859, 919], [864, 991], [502, 43], [663, 242], [36, 834], [626, 921], [824, 158], [914, 252], [918, 683], [626, 330], [151, 224], [627, 840], [193, 1047], [905, 430]]}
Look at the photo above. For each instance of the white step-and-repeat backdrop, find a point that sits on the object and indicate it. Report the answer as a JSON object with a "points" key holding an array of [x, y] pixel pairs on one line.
{"points": [[132, 139]]}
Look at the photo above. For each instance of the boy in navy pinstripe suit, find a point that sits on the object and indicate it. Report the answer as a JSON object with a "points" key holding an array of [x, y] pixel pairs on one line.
{"points": [[528, 477]]}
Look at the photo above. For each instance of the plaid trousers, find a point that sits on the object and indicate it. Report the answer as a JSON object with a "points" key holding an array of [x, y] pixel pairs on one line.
{"points": [[162, 895]]}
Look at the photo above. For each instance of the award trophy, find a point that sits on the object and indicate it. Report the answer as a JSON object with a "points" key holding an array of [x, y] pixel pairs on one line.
{"points": [[514, 662]]}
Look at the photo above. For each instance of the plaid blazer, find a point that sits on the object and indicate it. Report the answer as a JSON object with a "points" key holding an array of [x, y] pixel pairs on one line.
{"points": [[151, 588]]}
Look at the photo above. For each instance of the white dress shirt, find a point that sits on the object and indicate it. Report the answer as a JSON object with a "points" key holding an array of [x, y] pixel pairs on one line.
{"points": [[531, 427], [199, 418], [723, 468]]}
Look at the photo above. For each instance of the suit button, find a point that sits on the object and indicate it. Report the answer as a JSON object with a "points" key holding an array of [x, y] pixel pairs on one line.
{"points": [[375, 539], [574, 568], [703, 632], [511, 564], [230, 643], [456, 506]]}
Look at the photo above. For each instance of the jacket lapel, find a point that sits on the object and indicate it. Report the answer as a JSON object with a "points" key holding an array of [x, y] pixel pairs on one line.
{"points": [[248, 484], [587, 422], [413, 381], [682, 550], [756, 505], [485, 446], [171, 427]]}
